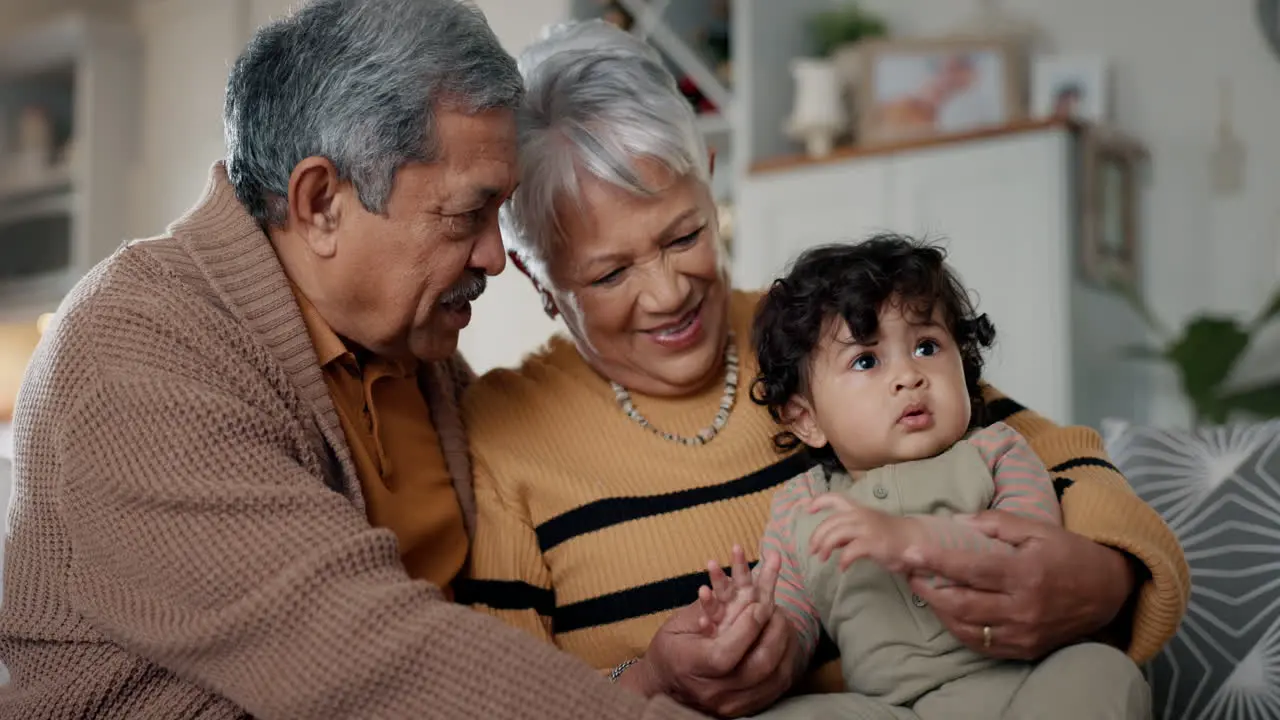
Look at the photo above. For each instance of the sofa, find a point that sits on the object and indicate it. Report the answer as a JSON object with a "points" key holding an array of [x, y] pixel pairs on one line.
{"points": [[1218, 488]]}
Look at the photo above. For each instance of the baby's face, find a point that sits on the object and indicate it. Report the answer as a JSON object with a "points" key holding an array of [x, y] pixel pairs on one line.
{"points": [[899, 397]]}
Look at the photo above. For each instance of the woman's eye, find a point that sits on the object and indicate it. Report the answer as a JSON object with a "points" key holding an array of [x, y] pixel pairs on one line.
{"points": [[866, 361], [687, 240], [927, 348], [609, 279]]}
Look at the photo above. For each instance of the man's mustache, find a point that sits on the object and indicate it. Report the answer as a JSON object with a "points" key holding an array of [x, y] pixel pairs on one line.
{"points": [[471, 286]]}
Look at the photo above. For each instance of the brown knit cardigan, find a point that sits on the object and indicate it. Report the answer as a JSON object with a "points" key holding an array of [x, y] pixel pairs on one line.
{"points": [[188, 537]]}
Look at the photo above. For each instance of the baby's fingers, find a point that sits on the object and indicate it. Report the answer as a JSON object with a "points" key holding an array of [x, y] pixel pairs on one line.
{"points": [[720, 584], [830, 501], [741, 572], [712, 608]]}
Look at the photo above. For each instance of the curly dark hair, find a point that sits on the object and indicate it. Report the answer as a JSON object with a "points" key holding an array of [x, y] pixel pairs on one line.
{"points": [[853, 282]]}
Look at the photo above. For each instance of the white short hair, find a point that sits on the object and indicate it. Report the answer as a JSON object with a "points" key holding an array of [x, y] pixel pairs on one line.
{"points": [[597, 100]]}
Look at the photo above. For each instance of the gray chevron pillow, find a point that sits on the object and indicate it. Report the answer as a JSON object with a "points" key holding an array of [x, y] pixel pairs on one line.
{"points": [[1219, 490]]}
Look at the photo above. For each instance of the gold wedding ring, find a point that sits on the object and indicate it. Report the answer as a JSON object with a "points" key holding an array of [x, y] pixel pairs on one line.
{"points": [[986, 637]]}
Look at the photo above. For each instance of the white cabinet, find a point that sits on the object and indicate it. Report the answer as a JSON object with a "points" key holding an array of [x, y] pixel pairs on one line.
{"points": [[779, 215], [1003, 207]]}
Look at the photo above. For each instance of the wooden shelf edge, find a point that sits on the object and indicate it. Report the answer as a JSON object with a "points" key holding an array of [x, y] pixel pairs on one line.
{"points": [[853, 152]]}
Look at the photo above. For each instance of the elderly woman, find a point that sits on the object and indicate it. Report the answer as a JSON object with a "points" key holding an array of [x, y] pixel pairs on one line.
{"points": [[615, 462]]}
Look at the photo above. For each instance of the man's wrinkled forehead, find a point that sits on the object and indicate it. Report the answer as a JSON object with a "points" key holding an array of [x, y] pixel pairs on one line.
{"points": [[480, 151]]}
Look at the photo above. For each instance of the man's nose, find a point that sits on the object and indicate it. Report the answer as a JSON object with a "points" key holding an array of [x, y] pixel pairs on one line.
{"points": [[488, 254]]}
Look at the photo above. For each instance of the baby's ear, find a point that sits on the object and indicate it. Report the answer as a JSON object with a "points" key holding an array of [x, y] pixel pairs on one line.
{"points": [[798, 416]]}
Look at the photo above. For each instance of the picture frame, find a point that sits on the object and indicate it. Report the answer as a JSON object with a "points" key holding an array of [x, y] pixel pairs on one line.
{"points": [[1071, 87], [917, 88], [1111, 171]]}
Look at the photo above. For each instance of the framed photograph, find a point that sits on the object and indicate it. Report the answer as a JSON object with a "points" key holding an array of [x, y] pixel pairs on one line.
{"points": [[912, 89], [1110, 215], [1071, 88]]}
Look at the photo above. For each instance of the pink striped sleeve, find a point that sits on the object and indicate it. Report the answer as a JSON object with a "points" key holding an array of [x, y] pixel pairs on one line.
{"points": [[791, 597], [1022, 483]]}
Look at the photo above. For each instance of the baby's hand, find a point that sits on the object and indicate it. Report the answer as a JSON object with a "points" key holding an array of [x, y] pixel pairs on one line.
{"points": [[862, 532], [730, 597]]}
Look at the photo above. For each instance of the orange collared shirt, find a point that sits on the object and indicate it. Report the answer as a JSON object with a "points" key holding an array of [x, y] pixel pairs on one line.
{"points": [[397, 454]]}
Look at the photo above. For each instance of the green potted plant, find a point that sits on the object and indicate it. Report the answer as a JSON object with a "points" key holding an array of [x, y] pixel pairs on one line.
{"points": [[836, 34], [1205, 352], [842, 26]]}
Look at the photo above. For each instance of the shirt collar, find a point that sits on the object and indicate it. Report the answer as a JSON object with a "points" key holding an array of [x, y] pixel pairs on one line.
{"points": [[330, 347]]}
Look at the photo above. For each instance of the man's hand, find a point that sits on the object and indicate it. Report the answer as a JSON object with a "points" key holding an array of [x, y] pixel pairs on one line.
{"points": [[737, 670], [1055, 588], [862, 532]]}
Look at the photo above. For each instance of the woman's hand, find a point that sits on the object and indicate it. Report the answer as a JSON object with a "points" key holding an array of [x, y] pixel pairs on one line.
{"points": [[732, 671], [1054, 589]]}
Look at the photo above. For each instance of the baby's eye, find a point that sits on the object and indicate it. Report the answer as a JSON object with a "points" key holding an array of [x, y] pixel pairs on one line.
{"points": [[865, 361], [927, 348]]}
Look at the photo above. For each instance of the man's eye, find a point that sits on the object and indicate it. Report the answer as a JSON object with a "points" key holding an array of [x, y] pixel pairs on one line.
{"points": [[467, 221]]}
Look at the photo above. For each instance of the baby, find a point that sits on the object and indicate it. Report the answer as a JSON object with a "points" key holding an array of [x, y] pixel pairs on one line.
{"points": [[871, 355]]}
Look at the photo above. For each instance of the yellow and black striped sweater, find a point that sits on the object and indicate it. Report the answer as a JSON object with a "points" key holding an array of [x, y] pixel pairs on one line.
{"points": [[591, 529]]}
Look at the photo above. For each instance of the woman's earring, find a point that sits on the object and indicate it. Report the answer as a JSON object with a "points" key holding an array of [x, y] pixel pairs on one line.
{"points": [[549, 306], [515, 260]]}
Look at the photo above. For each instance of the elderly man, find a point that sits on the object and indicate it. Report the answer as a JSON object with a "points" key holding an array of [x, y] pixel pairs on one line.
{"points": [[220, 419]]}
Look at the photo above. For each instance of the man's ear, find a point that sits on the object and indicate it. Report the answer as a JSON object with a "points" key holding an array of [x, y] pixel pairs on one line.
{"points": [[548, 303], [799, 418], [315, 204]]}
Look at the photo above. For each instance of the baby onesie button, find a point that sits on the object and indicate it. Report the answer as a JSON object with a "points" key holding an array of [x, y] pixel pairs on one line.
{"points": [[880, 492], [918, 601]]}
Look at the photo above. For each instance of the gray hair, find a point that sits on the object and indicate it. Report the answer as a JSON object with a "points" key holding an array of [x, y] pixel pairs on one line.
{"points": [[357, 82], [597, 100]]}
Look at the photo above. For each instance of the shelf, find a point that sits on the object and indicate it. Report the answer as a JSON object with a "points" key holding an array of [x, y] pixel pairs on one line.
{"points": [[36, 202], [27, 298], [791, 162], [55, 181], [54, 45], [651, 26]]}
